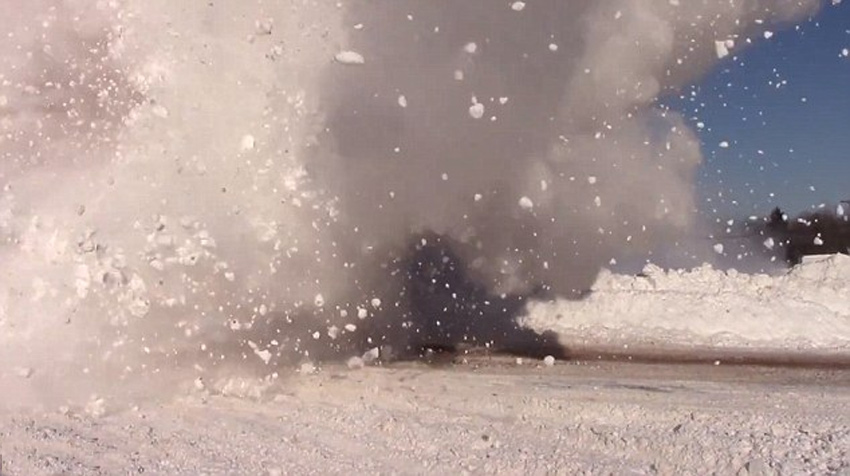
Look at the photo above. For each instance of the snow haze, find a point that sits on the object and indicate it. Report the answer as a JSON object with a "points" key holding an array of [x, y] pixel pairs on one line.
{"points": [[189, 188]]}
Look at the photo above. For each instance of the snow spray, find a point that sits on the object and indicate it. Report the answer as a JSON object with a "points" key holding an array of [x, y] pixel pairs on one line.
{"points": [[201, 187]]}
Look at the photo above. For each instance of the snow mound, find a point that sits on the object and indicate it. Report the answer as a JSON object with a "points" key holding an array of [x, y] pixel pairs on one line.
{"points": [[805, 309]]}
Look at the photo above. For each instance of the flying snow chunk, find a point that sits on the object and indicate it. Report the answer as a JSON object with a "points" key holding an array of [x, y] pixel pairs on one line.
{"points": [[549, 361], [349, 57], [525, 203], [718, 248], [248, 142], [471, 47], [319, 300], [768, 35], [402, 101], [724, 145], [845, 52], [263, 354], [769, 243], [371, 355], [818, 241], [476, 110], [722, 48], [518, 6]]}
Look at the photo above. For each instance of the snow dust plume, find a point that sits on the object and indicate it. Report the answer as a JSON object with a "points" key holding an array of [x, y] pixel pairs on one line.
{"points": [[209, 185], [528, 132]]}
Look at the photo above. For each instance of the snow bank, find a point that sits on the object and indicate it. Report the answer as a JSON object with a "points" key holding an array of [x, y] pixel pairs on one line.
{"points": [[805, 309]]}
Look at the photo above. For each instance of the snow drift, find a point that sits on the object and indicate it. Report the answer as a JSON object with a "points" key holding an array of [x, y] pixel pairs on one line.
{"points": [[806, 309]]}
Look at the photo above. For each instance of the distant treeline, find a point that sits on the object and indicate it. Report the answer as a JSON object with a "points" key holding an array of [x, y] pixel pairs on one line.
{"points": [[811, 233]]}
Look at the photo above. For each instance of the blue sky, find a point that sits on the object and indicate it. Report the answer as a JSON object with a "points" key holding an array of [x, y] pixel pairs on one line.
{"points": [[783, 107]]}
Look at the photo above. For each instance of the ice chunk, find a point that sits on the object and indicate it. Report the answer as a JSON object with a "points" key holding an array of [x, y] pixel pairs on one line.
{"points": [[371, 355], [476, 110], [263, 354], [350, 57], [722, 47], [769, 243], [247, 142]]}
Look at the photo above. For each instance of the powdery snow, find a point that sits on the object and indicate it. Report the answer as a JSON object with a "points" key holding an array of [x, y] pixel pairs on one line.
{"points": [[807, 308]]}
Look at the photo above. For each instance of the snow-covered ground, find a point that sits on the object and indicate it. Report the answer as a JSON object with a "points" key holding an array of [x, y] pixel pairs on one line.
{"points": [[485, 415], [480, 418]]}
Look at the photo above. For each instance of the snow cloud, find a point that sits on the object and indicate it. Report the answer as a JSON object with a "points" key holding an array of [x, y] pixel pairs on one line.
{"points": [[213, 183]]}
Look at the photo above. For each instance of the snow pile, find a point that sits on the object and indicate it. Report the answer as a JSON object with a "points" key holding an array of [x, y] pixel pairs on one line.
{"points": [[805, 309]]}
